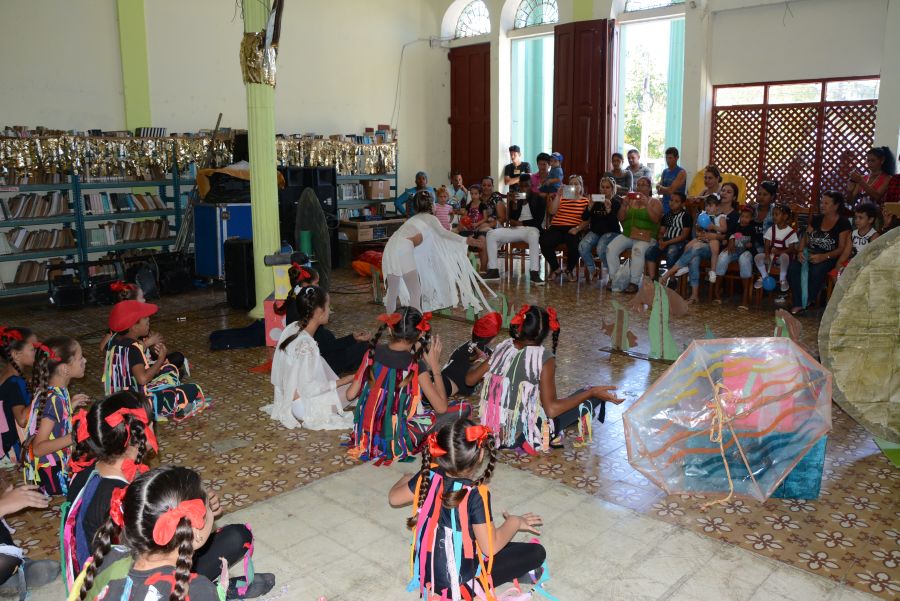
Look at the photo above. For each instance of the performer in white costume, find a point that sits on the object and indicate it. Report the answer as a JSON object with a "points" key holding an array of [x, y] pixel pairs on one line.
{"points": [[427, 267]]}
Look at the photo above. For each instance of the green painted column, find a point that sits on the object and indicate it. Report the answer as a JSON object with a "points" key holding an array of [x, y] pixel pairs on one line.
{"points": [[675, 85], [583, 10], [263, 174], [135, 69]]}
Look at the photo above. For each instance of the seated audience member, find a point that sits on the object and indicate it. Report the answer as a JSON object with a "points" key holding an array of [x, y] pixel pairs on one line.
{"points": [[673, 178], [638, 169], [516, 166], [674, 232], [624, 179], [872, 187], [864, 231], [404, 203], [729, 216], [556, 171], [442, 209], [740, 246], [568, 209], [479, 217], [825, 241], [640, 215], [697, 249], [602, 227], [539, 180], [459, 195], [712, 182], [521, 220], [780, 244]]}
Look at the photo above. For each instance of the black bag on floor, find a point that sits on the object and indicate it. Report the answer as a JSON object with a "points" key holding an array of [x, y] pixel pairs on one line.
{"points": [[176, 273], [66, 292]]}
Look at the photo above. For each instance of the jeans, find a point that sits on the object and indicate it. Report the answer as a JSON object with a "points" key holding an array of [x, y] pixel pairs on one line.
{"points": [[591, 241], [638, 248], [504, 235], [817, 274], [673, 252], [745, 262], [553, 237], [691, 259]]}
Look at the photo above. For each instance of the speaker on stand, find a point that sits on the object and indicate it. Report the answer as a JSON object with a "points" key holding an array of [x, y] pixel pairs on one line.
{"points": [[240, 286]]}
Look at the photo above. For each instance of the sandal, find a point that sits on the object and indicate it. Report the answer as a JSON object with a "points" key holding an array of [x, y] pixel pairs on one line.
{"points": [[797, 310], [743, 308], [717, 301]]}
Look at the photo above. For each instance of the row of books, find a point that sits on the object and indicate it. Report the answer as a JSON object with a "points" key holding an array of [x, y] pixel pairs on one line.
{"points": [[351, 192], [102, 203], [22, 240], [117, 232], [30, 206], [30, 272], [364, 213]]}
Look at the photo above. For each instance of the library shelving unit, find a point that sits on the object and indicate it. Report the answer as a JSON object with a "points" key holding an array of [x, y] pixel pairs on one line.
{"points": [[344, 205], [81, 221]]}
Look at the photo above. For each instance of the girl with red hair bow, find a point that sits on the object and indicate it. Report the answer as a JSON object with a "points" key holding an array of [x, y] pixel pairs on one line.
{"points": [[518, 393], [390, 421], [457, 552], [164, 519]]}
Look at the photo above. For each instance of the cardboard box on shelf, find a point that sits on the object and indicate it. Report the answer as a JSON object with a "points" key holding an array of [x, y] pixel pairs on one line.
{"points": [[377, 189]]}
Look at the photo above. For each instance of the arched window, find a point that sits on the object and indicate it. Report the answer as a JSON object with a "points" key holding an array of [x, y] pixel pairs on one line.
{"points": [[474, 20], [633, 5], [536, 12]]}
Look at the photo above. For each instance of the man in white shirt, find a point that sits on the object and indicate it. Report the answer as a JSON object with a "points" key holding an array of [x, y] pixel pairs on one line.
{"points": [[522, 221]]}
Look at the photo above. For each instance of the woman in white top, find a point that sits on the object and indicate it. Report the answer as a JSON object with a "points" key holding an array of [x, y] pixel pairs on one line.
{"points": [[427, 267], [307, 391]]}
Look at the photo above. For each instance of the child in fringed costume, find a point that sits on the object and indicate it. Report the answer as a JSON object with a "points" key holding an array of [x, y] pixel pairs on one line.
{"points": [[389, 421], [427, 267], [518, 395], [128, 364], [45, 454], [457, 553]]}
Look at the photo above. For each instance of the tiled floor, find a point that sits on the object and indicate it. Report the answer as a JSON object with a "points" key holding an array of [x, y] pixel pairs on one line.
{"points": [[849, 535]]}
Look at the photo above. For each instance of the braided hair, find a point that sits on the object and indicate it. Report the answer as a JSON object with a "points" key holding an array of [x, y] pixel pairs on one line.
{"points": [[406, 330], [11, 344], [307, 301], [461, 460], [45, 365], [108, 443], [145, 501], [534, 328], [299, 279]]}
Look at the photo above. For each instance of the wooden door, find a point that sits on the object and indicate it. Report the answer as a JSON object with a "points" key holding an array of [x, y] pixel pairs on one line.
{"points": [[582, 97], [470, 112]]}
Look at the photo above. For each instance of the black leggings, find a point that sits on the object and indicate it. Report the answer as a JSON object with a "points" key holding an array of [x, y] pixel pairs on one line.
{"points": [[347, 358], [818, 274], [8, 563], [514, 561], [228, 543], [553, 237], [564, 420]]}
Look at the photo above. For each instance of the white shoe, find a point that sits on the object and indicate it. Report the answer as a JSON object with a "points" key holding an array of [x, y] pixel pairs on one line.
{"points": [[712, 277], [758, 283], [785, 286], [682, 271]]}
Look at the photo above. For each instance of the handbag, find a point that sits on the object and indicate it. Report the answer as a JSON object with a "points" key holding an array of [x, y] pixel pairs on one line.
{"points": [[641, 235]]}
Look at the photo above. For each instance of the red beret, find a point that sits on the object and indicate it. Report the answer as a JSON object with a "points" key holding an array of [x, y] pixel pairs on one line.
{"points": [[127, 313], [488, 326]]}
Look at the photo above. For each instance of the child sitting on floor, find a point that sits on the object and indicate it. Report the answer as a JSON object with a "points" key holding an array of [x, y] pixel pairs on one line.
{"points": [[45, 455], [781, 242], [163, 518], [389, 421], [453, 510], [518, 395], [128, 364], [459, 374], [17, 351]]}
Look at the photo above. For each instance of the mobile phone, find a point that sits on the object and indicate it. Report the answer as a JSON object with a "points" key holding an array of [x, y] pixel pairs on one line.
{"points": [[633, 195]]}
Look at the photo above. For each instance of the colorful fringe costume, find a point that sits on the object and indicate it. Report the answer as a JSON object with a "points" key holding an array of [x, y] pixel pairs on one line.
{"points": [[510, 397], [455, 545], [170, 397], [49, 472], [389, 422], [73, 544]]}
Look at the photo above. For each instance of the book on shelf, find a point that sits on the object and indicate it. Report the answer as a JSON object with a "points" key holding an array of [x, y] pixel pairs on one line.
{"points": [[30, 272], [106, 203], [34, 205], [117, 232], [21, 240]]}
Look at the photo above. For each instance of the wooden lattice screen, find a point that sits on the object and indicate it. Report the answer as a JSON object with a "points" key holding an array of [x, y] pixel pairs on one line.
{"points": [[807, 147]]}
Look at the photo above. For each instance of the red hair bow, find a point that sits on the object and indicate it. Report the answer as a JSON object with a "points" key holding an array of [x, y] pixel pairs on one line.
{"points": [[554, 322], [433, 447], [130, 469], [302, 274], [81, 429], [194, 511], [40, 346], [77, 465], [477, 433], [424, 326], [390, 319], [120, 286], [10, 334], [118, 417], [519, 317], [115, 507]]}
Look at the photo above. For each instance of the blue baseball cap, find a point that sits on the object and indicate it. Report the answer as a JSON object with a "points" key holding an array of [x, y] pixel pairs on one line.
{"points": [[557, 157]]}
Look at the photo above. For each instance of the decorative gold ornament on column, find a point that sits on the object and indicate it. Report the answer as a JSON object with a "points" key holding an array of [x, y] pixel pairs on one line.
{"points": [[258, 60]]}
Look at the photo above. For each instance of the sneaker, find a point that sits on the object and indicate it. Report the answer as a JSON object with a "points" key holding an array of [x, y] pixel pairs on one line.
{"points": [[536, 278], [758, 284], [263, 582], [785, 286], [491, 274], [32, 575], [781, 299], [712, 276], [682, 271]]}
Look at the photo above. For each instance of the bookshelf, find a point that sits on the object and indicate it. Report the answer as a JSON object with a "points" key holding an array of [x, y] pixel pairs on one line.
{"points": [[134, 220]]}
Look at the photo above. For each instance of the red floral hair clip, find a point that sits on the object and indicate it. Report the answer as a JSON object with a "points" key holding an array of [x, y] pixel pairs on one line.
{"points": [[519, 318], [477, 434], [40, 346], [554, 322], [424, 325], [433, 447], [389, 319], [10, 334], [302, 274], [120, 286]]}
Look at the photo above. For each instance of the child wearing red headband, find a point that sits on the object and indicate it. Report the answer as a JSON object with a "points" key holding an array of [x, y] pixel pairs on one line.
{"points": [[518, 395], [389, 421], [45, 454], [165, 518], [452, 510]]}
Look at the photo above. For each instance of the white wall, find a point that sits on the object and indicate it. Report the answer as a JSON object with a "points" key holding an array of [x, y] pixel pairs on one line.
{"points": [[823, 38], [60, 64]]}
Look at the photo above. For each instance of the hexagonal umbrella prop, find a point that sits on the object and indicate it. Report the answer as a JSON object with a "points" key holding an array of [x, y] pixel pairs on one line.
{"points": [[731, 416]]}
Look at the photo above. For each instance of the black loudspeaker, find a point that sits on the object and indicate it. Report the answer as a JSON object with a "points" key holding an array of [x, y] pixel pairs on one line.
{"points": [[240, 287], [175, 273], [240, 147]]}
